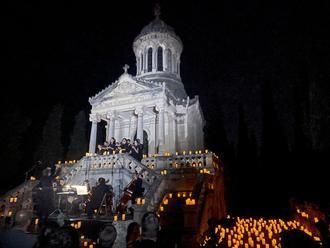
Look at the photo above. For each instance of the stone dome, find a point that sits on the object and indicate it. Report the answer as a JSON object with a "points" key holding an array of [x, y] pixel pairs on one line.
{"points": [[157, 26]]}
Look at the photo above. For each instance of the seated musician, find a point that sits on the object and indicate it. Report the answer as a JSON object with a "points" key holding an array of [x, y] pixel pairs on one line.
{"points": [[97, 195]]}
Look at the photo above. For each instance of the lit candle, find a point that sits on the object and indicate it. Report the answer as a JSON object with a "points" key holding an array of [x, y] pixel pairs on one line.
{"points": [[115, 217], [123, 216]]}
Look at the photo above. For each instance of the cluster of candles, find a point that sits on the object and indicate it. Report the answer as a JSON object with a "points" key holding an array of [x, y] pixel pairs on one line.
{"points": [[13, 199], [116, 217], [76, 225], [250, 232], [186, 196], [166, 154], [140, 201], [87, 243], [67, 162], [204, 171], [306, 215]]}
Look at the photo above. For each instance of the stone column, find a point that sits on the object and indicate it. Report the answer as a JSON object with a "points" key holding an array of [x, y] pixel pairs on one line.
{"points": [[174, 134], [138, 65], [161, 129], [154, 59], [111, 125], [165, 60], [92, 141], [145, 55], [107, 130], [139, 132]]}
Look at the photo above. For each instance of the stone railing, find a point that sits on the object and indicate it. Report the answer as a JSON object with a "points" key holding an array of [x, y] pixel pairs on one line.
{"points": [[200, 161], [113, 162]]}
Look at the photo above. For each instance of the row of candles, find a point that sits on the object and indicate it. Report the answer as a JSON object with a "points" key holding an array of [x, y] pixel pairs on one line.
{"points": [[166, 154], [177, 165], [250, 232], [187, 196], [306, 215]]}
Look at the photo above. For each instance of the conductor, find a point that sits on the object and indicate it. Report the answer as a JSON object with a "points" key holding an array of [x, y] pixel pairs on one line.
{"points": [[97, 195]]}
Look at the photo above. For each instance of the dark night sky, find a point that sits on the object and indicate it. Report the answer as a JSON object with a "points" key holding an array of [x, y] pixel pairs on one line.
{"points": [[254, 55]]}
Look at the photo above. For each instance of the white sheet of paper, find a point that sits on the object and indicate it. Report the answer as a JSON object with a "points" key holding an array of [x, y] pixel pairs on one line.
{"points": [[81, 189]]}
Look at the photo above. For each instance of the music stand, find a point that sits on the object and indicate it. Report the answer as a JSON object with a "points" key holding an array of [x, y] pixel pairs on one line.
{"points": [[58, 209]]}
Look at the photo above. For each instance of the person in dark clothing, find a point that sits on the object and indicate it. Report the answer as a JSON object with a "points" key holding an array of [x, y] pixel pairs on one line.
{"points": [[128, 146], [123, 145], [107, 236], [18, 235], [138, 191], [140, 154], [45, 195], [133, 234], [136, 150], [112, 145], [98, 193], [150, 228]]}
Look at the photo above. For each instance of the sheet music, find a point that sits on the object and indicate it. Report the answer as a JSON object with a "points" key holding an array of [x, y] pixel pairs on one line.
{"points": [[81, 189]]}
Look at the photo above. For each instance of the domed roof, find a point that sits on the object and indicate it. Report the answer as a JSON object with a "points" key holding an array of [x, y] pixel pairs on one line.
{"points": [[159, 26]]}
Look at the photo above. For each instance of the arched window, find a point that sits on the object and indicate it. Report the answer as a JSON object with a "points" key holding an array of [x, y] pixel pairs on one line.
{"points": [[150, 59], [160, 59], [169, 60]]}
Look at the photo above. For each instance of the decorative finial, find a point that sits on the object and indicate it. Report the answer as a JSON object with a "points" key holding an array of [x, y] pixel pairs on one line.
{"points": [[126, 66], [157, 10]]}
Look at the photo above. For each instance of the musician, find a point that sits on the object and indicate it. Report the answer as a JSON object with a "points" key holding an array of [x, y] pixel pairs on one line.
{"points": [[123, 145], [128, 146], [138, 191], [112, 145], [135, 151], [45, 195], [97, 195]]}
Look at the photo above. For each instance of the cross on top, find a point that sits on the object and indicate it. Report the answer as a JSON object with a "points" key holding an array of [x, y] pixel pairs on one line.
{"points": [[126, 66], [157, 10]]}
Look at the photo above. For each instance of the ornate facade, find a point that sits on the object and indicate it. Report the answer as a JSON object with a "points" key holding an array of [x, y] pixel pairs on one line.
{"points": [[152, 105]]}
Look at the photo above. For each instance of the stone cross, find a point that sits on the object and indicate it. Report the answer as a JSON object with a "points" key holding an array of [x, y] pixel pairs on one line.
{"points": [[157, 10], [126, 66]]}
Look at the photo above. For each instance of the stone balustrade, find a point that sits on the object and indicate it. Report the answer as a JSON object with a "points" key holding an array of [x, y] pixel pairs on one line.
{"points": [[200, 161], [114, 162]]}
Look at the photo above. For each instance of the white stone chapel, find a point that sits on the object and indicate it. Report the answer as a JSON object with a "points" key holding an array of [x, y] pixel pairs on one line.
{"points": [[153, 105]]}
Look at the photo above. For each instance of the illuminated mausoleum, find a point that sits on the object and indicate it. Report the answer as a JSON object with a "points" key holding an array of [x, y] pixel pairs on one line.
{"points": [[178, 174]]}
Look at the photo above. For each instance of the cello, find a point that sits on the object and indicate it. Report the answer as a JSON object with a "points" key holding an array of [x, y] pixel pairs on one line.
{"points": [[128, 192]]}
